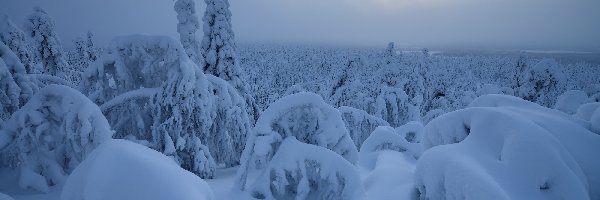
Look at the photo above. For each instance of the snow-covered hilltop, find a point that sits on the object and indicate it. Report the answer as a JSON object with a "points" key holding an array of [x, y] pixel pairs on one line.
{"points": [[199, 117]]}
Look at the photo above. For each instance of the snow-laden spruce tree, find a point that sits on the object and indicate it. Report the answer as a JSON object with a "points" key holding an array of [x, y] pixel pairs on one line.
{"points": [[17, 87], [394, 107], [188, 27], [46, 45], [230, 125], [544, 82], [360, 124], [81, 57], [181, 118], [153, 94], [304, 171], [304, 116], [16, 40], [51, 135], [219, 51]]}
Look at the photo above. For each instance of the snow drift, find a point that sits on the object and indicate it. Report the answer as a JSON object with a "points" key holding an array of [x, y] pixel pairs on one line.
{"points": [[502, 147], [123, 170]]}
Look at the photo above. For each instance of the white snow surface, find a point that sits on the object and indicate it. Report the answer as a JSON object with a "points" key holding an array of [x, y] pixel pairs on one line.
{"points": [[502, 147], [123, 170]]}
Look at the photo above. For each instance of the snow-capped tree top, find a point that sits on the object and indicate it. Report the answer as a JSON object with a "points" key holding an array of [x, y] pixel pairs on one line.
{"points": [[188, 27], [16, 40], [47, 48]]}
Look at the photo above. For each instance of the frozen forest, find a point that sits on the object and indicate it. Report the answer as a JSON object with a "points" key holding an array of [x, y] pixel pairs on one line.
{"points": [[199, 115]]}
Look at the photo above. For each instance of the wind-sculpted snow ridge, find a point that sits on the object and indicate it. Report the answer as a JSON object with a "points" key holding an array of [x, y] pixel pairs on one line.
{"points": [[123, 170], [503, 147], [51, 135], [304, 116], [304, 171], [360, 124]]}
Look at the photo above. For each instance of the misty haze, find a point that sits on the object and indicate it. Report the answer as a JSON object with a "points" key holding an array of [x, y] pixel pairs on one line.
{"points": [[299, 99]]}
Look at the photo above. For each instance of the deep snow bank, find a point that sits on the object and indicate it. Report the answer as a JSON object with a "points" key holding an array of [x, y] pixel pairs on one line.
{"points": [[502, 147], [123, 170]]}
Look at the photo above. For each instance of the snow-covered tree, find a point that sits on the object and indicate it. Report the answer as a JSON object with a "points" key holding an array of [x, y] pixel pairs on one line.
{"points": [[46, 45], [303, 171], [304, 116], [219, 51], [394, 107], [543, 83], [16, 40], [16, 86], [152, 93], [80, 58], [188, 27], [181, 118], [360, 124], [230, 125], [51, 135], [390, 50]]}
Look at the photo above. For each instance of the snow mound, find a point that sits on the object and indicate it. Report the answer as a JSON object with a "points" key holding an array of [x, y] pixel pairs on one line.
{"points": [[502, 147], [304, 116], [411, 131], [569, 101], [586, 111], [5, 197], [304, 171], [123, 170], [385, 138], [360, 123], [52, 134]]}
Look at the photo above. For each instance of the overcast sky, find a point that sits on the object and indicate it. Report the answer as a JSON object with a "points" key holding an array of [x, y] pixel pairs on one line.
{"points": [[523, 24]]}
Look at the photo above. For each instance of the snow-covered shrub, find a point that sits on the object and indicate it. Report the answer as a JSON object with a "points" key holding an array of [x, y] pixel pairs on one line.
{"points": [[394, 107], [359, 123], [569, 101], [385, 138], [230, 125], [47, 49], [16, 40], [187, 28], [304, 116], [52, 134], [586, 111], [502, 147], [122, 170], [543, 83], [411, 131], [304, 171], [219, 51], [16, 87]]}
